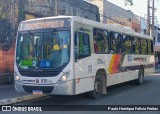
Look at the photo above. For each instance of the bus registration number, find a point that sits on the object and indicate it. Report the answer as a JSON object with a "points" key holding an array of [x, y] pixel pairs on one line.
{"points": [[37, 92]]}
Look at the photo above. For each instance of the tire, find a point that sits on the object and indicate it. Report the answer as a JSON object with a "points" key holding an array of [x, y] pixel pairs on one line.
{"points": [[97, 92], [140, 79]]}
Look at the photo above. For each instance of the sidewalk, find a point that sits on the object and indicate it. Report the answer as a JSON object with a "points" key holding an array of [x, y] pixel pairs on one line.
{"points": [[8, 95], [8, 91], [157, 67], [6, 78]]}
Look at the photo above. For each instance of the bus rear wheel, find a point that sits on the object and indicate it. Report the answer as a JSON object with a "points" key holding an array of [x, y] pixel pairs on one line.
{"points": [[140, 79], [97, 92]]}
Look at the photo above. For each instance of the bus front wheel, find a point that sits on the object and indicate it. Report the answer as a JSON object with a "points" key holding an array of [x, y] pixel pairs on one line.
{"points": [[140, 79], [97, 92]]}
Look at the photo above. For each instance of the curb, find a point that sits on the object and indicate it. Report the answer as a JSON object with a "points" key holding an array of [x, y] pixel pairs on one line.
{"points": [[20, 99]]}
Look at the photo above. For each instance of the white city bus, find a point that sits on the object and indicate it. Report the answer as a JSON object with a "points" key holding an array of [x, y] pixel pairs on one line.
{"points": [[68, 55]]}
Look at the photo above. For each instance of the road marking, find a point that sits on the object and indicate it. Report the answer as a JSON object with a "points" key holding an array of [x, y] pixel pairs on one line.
{"points": [[119, 95]]}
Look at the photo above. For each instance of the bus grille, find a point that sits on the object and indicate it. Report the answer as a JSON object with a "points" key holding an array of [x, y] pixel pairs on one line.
{"points": [[45, 89], [38, 74]]}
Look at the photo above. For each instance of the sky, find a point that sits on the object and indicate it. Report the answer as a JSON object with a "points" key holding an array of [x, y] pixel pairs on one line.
{"points": [[139, 7]]}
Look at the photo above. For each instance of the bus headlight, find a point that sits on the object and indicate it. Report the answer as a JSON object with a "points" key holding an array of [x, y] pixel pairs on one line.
{"points": [[17, 78], [64, 77]]}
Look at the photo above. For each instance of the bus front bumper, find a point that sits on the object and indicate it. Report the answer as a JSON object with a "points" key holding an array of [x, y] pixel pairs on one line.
{"points": [[66, 88]]}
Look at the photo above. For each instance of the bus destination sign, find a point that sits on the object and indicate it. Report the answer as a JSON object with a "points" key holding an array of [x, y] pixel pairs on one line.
{"points": [[44, 24]]}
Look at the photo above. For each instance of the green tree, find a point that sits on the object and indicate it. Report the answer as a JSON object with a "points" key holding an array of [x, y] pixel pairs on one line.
{"points": [[20, 12], [5, 29]]}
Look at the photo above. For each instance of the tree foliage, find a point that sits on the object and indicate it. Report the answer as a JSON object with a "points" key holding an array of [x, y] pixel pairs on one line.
{"points": [[21, 15], [5, 29]]}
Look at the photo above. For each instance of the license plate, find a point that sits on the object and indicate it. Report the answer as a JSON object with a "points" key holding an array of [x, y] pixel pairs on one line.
{"points": [[37, 92]]}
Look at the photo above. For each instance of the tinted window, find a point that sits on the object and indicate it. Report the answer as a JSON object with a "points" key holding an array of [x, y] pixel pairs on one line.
{"points": [[43, 49], [137, 46], [144, 46], [127, 47], [83, 47], [150, 47], [116, 43], [101, 41]]}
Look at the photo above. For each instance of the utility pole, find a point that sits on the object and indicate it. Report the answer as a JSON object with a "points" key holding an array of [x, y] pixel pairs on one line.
{"points": [[150, 29], [153, 19], [148, 18]]}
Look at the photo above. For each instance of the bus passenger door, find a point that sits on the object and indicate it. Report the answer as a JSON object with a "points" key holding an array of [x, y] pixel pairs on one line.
{"points": [[83, 63]]}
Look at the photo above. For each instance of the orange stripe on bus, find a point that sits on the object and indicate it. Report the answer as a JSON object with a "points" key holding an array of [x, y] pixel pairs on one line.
{"points": [[114, 64], [111, 64]]}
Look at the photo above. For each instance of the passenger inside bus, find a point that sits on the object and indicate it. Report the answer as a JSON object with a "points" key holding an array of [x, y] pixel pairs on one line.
{"points": [[95, 46], [99, 45], [55, 54], [113, 50], [119, 44], [116, 46], [136, 46], [133, 50], [65, 51]]}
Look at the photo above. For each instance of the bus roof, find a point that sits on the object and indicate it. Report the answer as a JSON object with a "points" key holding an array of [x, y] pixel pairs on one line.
{"points": [[109, 27], [45, 18]]}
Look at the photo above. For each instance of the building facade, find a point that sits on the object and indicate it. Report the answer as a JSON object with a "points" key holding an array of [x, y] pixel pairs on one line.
{"points": [[157, 40], [113, 14], [157, 48], [143, 26], [45, 8]]}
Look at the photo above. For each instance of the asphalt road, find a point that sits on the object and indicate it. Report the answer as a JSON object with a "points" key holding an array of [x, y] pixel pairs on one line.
{"points": [[122, 94]]}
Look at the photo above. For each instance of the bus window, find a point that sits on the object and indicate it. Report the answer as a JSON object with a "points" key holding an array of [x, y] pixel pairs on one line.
{"points": [[137, 46], [144, 46], [106, 40], [116, 43], [82, 45], [150, 47], [75, 46], [101, 41], [127, 47]]}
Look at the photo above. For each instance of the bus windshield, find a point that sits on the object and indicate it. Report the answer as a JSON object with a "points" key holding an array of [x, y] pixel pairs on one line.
{"points": [[45, 49]]}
